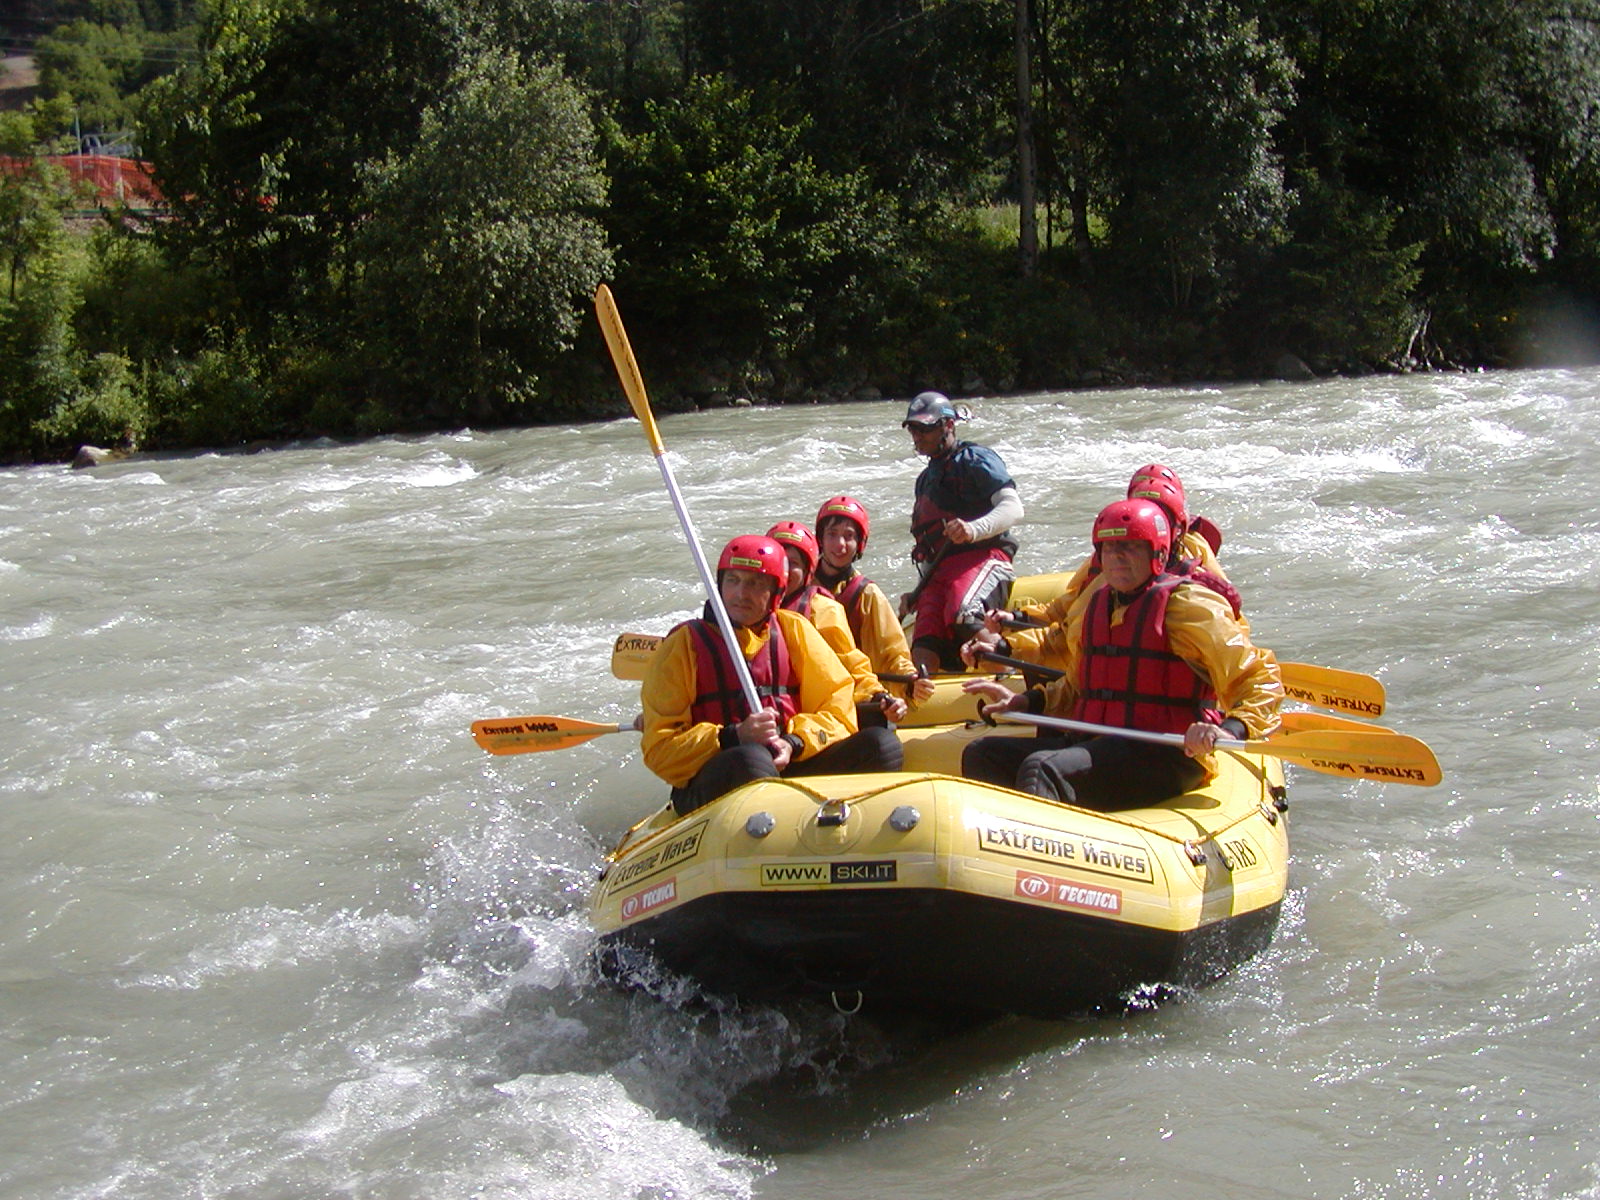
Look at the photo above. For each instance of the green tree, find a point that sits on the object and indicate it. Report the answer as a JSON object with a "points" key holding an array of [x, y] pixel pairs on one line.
{"points": [[263, 147], [1185, 108], [34, 196], [918, 93], [734, 244], [99, 65], [482, 246], [1471, 121], [1340, 290]]}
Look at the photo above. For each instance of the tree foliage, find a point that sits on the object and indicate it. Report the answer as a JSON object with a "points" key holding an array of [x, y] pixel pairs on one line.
{"points": [[1191, 175], [734, 238], [482, 242], [390, 213]]}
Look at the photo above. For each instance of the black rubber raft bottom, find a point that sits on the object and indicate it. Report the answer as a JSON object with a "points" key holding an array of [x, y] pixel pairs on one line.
{"points": [[913, 948]]}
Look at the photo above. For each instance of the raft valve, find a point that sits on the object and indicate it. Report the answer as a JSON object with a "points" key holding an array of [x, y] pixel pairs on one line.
{"points": [[904, 818], [758, 825]]}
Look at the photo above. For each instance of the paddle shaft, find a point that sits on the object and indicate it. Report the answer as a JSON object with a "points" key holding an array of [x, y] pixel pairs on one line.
{"points": [[1363, 754], [1326, 687], [1026, 668], [631, 654], [633, 384]]}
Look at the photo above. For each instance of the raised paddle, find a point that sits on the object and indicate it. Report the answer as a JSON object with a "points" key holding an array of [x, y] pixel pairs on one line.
{"points": [[1355, 754], [525, 735], [633, 384]]}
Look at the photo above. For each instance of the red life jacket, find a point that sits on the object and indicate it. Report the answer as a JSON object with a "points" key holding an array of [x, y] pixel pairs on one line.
{"points": [[800, 602], [1127, 675], [849, 595], [719, 698]]}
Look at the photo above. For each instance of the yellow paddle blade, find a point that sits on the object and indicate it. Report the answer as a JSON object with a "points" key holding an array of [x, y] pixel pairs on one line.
{"points": [[627, 366], [1302, 722], [631, 654], [1327, 687], [525, 735], [1356, 754]]}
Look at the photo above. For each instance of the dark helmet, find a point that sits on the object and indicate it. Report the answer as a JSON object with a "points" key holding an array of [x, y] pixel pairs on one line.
{"points": [[930, 408]]}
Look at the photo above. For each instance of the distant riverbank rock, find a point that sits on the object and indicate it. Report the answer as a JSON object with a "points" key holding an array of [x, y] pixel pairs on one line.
{"points": [[1292, 368], [93, 456]]}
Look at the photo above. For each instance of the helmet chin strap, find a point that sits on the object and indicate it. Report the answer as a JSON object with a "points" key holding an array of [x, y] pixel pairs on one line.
{"points": [[827, 575]]}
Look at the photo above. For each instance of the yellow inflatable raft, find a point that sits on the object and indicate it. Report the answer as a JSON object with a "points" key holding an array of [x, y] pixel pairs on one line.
{"points": [[920, 890]]}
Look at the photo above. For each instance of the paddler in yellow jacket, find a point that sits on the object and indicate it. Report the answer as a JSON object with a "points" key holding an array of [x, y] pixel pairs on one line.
{"points": [[1148, 650], [874, 705], [842, 528], [1192, 553], [699, 735]]}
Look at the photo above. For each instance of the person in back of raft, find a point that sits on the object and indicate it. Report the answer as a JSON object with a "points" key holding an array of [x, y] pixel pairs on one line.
{"points": [[966, 503], [1193, 553], [1149, 650], [699, 735], [874, 705]]}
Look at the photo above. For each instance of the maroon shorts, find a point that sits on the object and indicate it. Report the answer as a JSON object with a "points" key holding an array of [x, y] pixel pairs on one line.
{"points": [[962, 583]]}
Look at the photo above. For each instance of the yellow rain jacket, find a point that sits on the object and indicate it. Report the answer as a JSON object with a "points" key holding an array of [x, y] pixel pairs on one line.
{"points": [[833, 623], [1047, 644], [883, 639], [1202, 631], [676, 749]]}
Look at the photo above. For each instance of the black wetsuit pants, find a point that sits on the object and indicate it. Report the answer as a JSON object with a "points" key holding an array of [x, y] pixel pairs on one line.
{"points": [[1104, 773], [869, 750]]}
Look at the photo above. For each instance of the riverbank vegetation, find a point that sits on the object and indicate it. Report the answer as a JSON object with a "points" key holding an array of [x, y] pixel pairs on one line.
{"points": [[389, 216]]}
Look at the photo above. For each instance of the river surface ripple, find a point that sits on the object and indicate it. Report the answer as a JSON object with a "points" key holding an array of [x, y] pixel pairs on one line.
{"points": [[274, 927]]}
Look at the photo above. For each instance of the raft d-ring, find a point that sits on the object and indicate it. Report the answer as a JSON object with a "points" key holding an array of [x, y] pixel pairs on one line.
{"points": [[849, 1012], [1196, 853], [832, 813]]}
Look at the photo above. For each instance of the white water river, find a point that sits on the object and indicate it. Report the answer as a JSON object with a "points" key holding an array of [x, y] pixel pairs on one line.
{"points": [[271, 926]]}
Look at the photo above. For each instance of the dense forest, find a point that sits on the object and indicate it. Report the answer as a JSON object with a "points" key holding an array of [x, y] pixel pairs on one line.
{"points": [[388, 215]]}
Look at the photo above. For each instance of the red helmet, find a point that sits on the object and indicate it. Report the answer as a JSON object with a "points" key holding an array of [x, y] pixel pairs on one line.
{"points": [[1156, 471], [849, 508], [1136, 520], [1165, 492], [752, 552], [792, 533]]}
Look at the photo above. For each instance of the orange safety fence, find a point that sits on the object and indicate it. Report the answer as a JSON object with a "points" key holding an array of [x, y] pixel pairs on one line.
{"points": [[114, 180]]}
